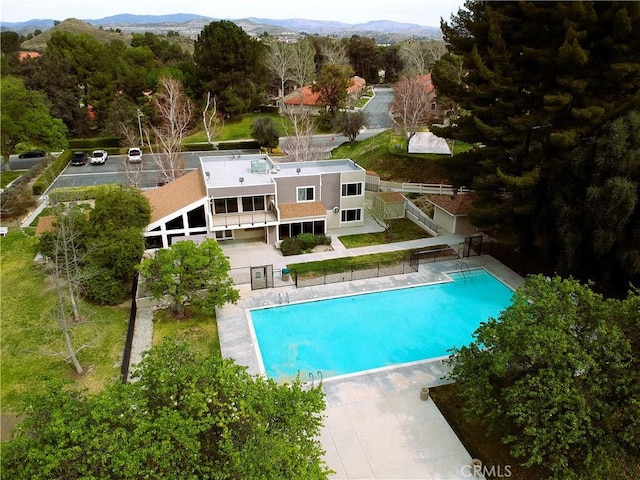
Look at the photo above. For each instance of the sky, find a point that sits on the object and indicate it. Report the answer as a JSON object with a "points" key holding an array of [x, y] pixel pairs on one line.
{"points": [[420, 12]]}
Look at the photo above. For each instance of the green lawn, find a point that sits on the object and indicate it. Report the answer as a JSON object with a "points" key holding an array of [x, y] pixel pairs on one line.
{"points": [[31, 340], [200, 331], [385, 154], [9, 176], [385, 258], [401, 230], [239, 129]]}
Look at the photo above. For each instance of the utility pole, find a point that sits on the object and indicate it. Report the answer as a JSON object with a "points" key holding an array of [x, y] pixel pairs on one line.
{"points": [[140, 115]]}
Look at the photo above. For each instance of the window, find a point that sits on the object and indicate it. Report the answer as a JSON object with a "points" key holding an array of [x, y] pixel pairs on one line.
{"points": [[175, 223], [252, 204], [286, 230], [224, 235], [351, 189], [306, 194], [153, 242], [225, 205], [353, 215], [195, 218]]}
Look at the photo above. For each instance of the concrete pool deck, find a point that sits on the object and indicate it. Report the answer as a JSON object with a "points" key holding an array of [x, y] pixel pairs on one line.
{"points": [[376, 425]]}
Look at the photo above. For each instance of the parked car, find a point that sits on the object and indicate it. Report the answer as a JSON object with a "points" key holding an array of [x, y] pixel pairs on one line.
{"points": [[99, 157], [134, 155], [79, 158], [33, 154]]}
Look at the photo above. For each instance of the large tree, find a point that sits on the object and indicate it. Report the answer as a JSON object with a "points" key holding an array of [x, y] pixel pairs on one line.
{"points": [[364, 57], [332, 83], [25, 119], [538, 78], [412, 100], [187, 416], [556, 375], [190, 274], [228, 63], [596, 205]]}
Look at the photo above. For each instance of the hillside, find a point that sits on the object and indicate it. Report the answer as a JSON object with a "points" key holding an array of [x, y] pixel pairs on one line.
{"points": [[73, 25], [103, 35]]}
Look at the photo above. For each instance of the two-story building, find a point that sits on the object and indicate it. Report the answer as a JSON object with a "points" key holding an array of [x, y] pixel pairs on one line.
{"points": [[253, 197]]}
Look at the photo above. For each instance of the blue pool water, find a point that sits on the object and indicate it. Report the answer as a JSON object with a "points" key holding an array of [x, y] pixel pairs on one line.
{"points": [[361, 332]]}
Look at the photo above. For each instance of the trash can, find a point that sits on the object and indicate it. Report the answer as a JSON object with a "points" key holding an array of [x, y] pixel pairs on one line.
{"points": [[286, 275]]}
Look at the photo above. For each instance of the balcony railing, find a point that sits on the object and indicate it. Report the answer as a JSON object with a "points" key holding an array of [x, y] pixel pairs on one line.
{"points": [[245, 219]]}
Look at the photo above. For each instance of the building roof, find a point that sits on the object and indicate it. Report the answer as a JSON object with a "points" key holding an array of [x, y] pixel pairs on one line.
{"points": [[426, 80], [453, 204], [45, 224], [301, 210], [175, 195], [391, 197], [304, 96], [357, 83]]}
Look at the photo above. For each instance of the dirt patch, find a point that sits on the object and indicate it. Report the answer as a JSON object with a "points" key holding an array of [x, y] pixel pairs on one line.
{"points": [[322, 248]]}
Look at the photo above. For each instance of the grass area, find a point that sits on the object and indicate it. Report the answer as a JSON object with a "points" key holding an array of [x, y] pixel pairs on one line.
{"points": [[9, 176], [385, 258], [487, 447], [239, 129], [32, 345], [385, 154], [200, 330], [402, 230]]}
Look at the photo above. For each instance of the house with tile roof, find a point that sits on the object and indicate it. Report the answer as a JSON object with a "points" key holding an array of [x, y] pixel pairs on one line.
{"points": [[305, 100], [241, 197]]}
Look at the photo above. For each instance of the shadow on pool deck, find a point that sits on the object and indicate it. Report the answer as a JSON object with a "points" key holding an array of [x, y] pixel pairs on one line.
{"points": [[376, 425]]}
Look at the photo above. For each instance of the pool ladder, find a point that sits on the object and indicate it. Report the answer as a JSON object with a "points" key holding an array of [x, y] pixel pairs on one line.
{"points": [[280, 298], [313, 379], [463, 267]]}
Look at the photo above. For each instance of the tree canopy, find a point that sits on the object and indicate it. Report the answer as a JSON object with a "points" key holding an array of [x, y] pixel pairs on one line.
{"points": [[188, 416], [557, 376], [26, 119], [539, 78], [228, 63], [183, 270]]}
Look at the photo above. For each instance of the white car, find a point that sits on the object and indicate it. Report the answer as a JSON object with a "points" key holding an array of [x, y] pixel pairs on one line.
{"points": [[134, 155], [99, 157]]}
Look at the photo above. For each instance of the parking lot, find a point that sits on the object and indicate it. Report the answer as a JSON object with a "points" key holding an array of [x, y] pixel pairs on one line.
{"points": [[117, 170]]}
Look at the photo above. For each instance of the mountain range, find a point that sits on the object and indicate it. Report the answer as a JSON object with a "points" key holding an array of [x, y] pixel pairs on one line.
{"points": [[383, 31]]}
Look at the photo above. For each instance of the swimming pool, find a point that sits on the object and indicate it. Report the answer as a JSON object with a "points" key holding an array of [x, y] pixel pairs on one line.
{"points": [[338, 336]]}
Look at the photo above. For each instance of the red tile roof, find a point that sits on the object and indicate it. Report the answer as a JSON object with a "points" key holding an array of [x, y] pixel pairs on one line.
{"points": [[304, 96]]}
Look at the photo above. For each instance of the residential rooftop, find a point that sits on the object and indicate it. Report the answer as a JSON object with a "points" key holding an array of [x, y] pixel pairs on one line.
{"points": [[260, 169]]}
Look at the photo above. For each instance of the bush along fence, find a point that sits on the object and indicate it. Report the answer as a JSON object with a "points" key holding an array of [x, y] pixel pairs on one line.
{"points": [[409, 264], [51, 173], [126, 356]]}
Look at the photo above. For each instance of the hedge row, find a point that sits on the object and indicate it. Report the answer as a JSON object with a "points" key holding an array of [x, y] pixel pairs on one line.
{"points": [[74, 194], [205, 147], [94, 143], [51, 173]]}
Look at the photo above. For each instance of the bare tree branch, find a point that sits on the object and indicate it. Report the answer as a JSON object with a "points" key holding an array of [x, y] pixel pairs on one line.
{"points": [[174, 112], [212, 122]]}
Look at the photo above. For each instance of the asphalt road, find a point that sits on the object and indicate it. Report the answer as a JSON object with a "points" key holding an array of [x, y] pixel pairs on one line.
{"points": [[377, 110]]}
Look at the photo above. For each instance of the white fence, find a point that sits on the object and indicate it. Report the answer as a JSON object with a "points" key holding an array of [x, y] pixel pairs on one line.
{"points": [[420, 188]]}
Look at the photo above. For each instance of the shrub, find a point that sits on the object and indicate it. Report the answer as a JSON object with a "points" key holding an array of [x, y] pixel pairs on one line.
{"points": [[102, 288], [94, 143], [73, 194], [307, 240], [290, 246], [323, 239], [51, 173]]}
